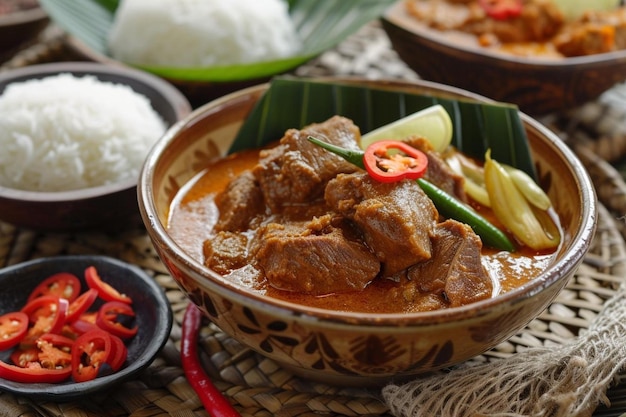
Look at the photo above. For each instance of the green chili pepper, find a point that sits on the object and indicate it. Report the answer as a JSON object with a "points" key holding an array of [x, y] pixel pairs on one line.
{"points": [[452, 208], [446, 204], [352, 156]]}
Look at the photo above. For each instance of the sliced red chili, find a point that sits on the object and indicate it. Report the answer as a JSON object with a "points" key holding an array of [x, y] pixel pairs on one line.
{"points": [[106, 291], [90, 352], [13, 328], [501, 9], [46, 315], [33, 373], [403, 162], [81, 304], [110, 318], [62, 284], [86, 322], [54, 351], [119, 352], [23, 356]]}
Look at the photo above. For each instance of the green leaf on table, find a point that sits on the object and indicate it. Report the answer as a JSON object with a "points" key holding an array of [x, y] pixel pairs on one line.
{"points": [[293, 102], [321, 24]]}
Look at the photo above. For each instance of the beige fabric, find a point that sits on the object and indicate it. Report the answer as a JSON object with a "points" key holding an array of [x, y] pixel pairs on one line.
{"points": [[548, 381]]}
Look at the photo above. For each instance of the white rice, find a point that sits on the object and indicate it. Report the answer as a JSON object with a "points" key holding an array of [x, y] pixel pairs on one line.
{"points": [[65, 132], [202, 33]]}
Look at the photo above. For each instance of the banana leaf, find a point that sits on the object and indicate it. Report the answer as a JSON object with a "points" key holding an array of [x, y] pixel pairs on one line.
{"points": [[321, 24], [476, 126]]}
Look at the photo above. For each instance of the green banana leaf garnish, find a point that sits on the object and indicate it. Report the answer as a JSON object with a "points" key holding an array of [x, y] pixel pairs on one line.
{"points": [[320, 24], [292, 102]]}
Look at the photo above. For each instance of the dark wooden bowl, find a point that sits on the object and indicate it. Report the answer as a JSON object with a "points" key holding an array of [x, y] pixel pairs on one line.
{"points": [[20, 27], [106, 206], [537, 86]]}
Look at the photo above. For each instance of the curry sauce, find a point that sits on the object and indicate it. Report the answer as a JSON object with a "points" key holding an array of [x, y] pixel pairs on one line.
{"points": [[195, 216]]}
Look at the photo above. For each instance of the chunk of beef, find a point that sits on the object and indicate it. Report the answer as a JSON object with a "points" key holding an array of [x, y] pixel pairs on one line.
{"points": [[296, 171], [439, 172], [225, 252], [313, 258], [239, 203], [455, 271], [396, 219]]}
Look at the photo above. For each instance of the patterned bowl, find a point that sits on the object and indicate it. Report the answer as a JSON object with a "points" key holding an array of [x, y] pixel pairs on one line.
{"points": [[537, 86], [356, 349]]}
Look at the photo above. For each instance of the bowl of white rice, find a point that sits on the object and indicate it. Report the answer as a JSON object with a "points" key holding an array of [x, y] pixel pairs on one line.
{"points": [[73, 138], [210, 48]]}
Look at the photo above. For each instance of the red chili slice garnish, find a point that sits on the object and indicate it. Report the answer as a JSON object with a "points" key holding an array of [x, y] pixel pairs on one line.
{"points": [[62, 284], [90, 352], [119, 352], [22, 357], [106, 291], [86, 322], [33, 373], [81, 304], [502, 9], [46, 315], [81, 326], [13, 327], [53, 338], [54, 351], [403, 162], [109, 319]]}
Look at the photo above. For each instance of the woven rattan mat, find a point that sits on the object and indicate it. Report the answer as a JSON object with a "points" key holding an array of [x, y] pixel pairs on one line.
{"points": [[258, 386]]}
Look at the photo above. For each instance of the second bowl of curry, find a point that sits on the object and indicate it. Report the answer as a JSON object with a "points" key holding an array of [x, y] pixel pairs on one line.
{"points": [[520, 68]]}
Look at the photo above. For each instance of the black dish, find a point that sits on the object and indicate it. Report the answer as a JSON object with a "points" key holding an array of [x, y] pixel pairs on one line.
{"points": [[153, 317]]}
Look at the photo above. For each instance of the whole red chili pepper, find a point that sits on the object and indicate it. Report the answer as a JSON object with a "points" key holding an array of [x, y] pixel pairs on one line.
{"points": [[501, 9], [214, 402], [384, 166]]}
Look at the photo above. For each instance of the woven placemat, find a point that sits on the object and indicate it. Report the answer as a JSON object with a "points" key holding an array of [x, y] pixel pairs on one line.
{"points": [[258, 386]]}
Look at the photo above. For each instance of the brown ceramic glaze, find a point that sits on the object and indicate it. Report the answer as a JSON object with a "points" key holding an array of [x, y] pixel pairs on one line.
{"points": [[537, 86], [345, 348], [98, 207]]}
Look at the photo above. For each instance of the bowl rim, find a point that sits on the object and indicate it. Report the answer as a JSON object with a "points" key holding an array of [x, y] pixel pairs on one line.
{"points": [[22, 16], [398, 18], [581, 240], [178, 101]]}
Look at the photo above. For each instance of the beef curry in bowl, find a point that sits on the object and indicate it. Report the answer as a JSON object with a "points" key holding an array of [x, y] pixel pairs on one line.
{"points": [[304, 257]]}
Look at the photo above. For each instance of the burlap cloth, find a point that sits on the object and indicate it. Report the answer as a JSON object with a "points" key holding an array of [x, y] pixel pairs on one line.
{"points": [[258, 386]]}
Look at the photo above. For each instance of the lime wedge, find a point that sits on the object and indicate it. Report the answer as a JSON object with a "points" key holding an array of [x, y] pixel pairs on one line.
{"points": [[573, 9], [433, 123]]}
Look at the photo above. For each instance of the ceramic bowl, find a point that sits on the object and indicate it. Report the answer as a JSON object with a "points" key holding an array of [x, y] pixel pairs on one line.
{"points": [[354, 348], [20, 27], [97, 207], [537, 86], [152, 309]]}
